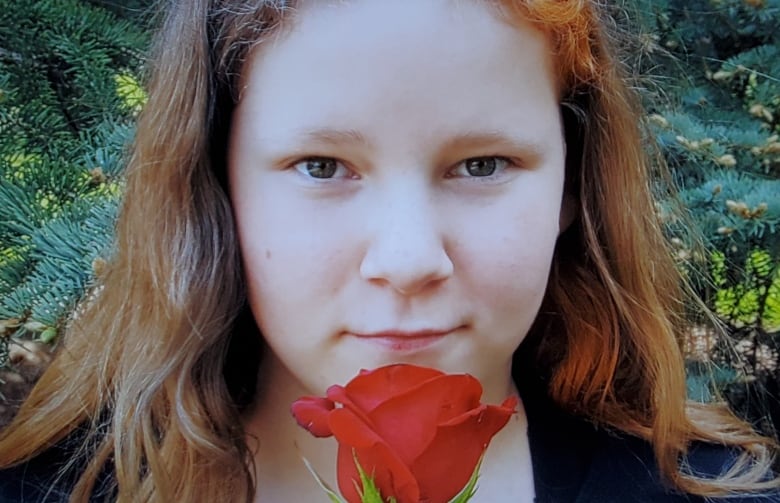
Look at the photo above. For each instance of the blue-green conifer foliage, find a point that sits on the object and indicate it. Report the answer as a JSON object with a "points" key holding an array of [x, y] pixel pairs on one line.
{"points": [[69, 73]]}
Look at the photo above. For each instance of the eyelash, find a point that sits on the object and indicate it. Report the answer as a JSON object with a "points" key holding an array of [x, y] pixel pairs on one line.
{"points": [[503, 162], [301, 167], [500, 164]]}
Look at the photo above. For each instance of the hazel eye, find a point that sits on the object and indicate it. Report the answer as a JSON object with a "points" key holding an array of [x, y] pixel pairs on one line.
{"points": [[480, 167], [322, 168]]}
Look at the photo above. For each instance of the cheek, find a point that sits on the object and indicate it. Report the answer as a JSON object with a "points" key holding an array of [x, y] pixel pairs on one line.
{"points": [[514, 276], [292, 261], [506, 264]]}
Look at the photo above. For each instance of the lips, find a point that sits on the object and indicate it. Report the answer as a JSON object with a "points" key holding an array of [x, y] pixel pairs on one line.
{"points": [[402, 341]]}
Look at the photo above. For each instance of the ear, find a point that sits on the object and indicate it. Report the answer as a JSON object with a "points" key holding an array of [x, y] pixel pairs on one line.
{"points": [[568, 211]]}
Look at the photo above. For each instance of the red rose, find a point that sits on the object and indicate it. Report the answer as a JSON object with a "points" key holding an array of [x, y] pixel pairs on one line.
{"points": [[418, 431]]}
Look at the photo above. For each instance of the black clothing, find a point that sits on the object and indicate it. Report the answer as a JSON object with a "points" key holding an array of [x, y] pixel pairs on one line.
{"points": [[40, 479], [573, 462]]}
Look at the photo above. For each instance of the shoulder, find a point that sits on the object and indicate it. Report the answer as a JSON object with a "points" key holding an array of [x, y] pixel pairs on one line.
{"points": [[18, 485], [37, 480], [575, 461], [624, 468], [51, 476]]}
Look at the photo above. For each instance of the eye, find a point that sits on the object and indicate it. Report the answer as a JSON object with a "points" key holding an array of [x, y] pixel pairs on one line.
{"points": [[480, 167], [322, 168]]}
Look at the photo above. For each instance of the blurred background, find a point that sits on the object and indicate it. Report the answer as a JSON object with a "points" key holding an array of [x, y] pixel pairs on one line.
{"points": [[71, 85]]}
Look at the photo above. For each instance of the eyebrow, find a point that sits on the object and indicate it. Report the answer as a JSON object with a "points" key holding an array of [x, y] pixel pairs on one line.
{"points": [[495, 139], [334, 136], [485, 139]]}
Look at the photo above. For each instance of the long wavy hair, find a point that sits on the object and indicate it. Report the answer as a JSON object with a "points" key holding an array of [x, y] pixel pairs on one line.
{"points": [[155, 372]]}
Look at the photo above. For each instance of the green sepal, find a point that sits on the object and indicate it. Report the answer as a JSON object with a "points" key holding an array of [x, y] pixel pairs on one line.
{"points": [[370, 492], [471, 488]]}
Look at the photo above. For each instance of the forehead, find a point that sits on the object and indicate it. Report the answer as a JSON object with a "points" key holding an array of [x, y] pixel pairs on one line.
{"points": [[427, 64]]}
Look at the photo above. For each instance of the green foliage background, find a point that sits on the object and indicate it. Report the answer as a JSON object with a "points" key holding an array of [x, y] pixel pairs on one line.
{"points": [[715, 111], [69, 92]]}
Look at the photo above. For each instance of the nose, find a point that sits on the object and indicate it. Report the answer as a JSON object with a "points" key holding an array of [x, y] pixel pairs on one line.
{"points": [[407, 248]]}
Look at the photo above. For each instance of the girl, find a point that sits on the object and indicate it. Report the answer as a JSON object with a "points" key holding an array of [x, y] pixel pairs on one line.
{"points": [[323, 186]]}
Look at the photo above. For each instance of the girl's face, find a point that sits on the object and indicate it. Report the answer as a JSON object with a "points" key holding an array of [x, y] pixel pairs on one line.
{"points": [[396, 171]]}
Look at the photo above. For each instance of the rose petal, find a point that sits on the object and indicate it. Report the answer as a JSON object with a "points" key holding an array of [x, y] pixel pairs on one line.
{"points": [[338, 394], [408, 422], [312, 412], [390, 474], [446, 466], [418, 431], [510, 403], [350, 429], [370, 388], [507, 407]]}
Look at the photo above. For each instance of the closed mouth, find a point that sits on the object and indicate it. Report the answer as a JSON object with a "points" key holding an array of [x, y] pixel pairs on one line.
{"points": [[405, 341]]}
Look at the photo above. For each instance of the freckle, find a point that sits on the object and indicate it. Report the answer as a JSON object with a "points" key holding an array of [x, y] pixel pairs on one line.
{"points": [[268, 254]]}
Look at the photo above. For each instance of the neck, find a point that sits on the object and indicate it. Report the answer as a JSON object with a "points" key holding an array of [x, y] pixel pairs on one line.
{"points": [[280, 445]]}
